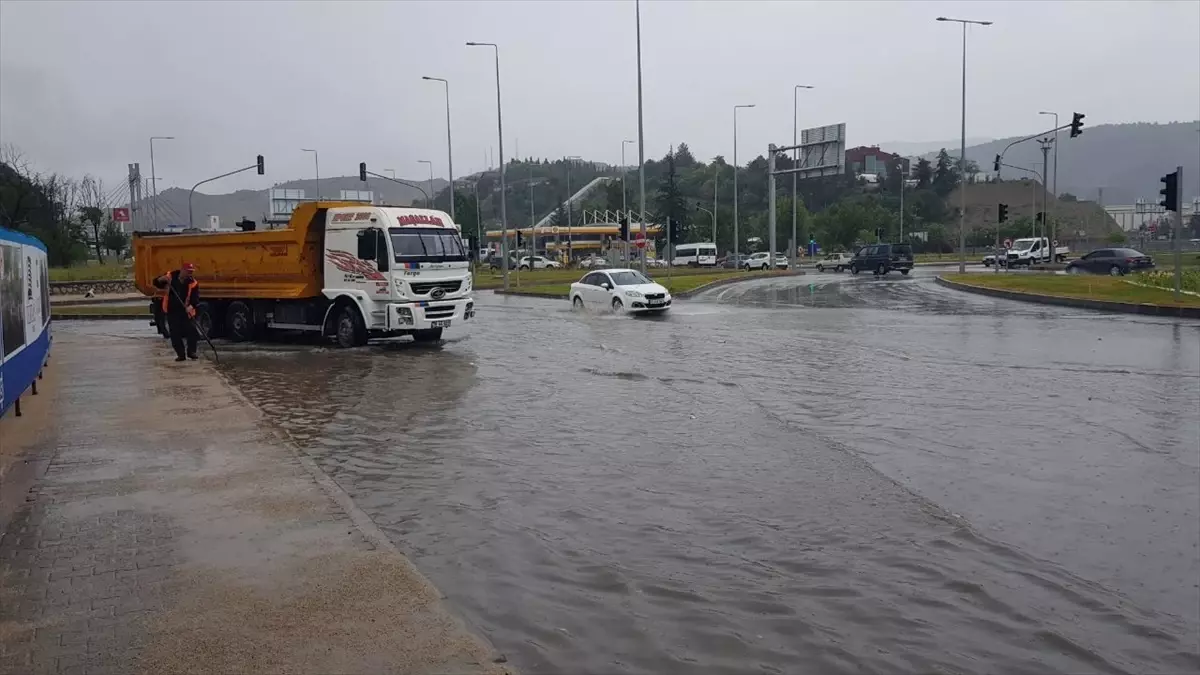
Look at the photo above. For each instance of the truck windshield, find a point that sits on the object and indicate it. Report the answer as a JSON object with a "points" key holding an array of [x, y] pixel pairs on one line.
{"points": [[1023, 244], [426, 244]]}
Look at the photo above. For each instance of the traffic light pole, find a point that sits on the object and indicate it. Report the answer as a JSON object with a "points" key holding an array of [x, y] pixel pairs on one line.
{"points": [[1178, 231], [257, 165]]}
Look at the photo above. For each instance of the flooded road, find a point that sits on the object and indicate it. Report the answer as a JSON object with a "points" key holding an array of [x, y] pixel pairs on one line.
{"points": [[825, 474]]}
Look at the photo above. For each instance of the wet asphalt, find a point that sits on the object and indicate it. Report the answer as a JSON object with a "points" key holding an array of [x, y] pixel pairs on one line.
{"points": [[819, 474]]}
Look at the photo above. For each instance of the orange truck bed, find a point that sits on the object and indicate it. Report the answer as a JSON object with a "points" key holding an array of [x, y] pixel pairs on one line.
{"points": [[262, 264]]}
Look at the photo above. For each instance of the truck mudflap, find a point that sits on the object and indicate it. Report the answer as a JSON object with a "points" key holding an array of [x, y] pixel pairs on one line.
{"points": [[429, 314]]}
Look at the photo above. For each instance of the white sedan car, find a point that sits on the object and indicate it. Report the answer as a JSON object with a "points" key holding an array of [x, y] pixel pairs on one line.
{"points": [[539, 263], [836, 262], [622, 290]]}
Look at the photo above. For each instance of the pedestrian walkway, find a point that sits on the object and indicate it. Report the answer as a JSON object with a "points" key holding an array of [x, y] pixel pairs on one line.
{"points": [[171, 531]]}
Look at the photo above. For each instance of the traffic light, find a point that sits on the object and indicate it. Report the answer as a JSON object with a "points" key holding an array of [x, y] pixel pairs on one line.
{"points": [[520, 239], [262, 169], [1041, 217], [675, 230], [996, 164], [362, 171], [1170, 192], [879, 233], [1077, 124], [1003, 213], [624, 222]]}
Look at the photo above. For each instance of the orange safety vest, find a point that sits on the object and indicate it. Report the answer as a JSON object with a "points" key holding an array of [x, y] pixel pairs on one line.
{"points": [[186, 298]]}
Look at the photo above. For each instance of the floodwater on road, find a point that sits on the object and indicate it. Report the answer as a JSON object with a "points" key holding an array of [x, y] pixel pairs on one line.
{"points": [[820, 474]]}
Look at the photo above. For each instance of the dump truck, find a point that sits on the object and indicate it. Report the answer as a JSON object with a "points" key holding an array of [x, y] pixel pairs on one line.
{"points": [[345, 270]]}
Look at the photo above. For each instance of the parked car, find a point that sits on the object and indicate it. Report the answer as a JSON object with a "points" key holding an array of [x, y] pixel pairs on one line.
{"points": [[497, 262], [655, 262], [593, 262], [757, 261], [732, 262], [539, 263], [622, 290], [782, 262], [883, 258], [1114, 261], [836, 262]]}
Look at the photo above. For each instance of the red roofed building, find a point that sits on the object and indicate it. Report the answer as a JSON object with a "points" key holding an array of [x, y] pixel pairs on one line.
{"points": [[870, 159]]}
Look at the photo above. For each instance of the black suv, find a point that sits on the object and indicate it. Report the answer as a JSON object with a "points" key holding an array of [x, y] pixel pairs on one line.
{"points": [[883, 258]]}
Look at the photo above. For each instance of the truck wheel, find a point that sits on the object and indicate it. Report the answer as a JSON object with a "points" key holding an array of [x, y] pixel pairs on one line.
{"points": [[429, 335], [239, 322], [204, 319], [349, 328]]}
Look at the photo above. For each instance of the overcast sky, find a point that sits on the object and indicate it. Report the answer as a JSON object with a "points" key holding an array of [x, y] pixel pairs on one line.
{"points": [[83, 85]]}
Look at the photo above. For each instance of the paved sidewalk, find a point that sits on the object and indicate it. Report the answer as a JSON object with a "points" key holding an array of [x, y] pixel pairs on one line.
{"points": [[171, 532]]}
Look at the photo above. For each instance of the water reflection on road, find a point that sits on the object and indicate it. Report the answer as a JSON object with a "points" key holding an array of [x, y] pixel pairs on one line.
{"points": [[820, 474]]}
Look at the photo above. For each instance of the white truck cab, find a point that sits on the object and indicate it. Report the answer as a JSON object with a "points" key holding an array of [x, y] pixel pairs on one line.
{"points": [[1034, 251], [407, 270]]}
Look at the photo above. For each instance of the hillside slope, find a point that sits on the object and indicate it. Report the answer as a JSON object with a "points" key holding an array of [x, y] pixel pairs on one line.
{"points": [[1071, 216], [1126, 160]]}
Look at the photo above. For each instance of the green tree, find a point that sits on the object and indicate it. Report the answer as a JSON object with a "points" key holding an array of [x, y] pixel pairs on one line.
{"points": [[945, 176], [114, 239], [670, 205], [924, 174], [1116, 237]]}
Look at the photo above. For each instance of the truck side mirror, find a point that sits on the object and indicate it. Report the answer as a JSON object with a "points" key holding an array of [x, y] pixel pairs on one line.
{"points": [[367, 244], [381, 251]]}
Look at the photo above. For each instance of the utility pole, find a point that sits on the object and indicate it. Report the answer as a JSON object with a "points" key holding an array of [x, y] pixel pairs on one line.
{"points": [[903, 180], [795, 160], [154, 181], [1046, 195], [641, 139], [735, 173], [500, 138], [624, 205], [1054, 224]]}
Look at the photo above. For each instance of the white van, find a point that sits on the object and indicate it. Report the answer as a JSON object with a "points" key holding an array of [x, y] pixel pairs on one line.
{"points": [[695, 255]]}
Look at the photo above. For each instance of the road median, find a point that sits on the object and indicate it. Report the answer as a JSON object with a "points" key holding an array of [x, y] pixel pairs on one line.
{"points": [[681, 286], [1110, 294]]}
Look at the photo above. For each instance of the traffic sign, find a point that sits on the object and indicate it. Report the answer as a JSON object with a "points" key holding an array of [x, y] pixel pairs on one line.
{"points": [[640, 241], [120, 215], [1008, 243]]}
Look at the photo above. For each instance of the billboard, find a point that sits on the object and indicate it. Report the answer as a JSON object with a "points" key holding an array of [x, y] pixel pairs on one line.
{"points": [[282, 202], [24, 313], [823, 151]]}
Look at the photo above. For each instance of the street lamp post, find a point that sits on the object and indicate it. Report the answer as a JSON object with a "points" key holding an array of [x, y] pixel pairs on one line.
{"points": [[429, 197], [570, 229], [449, 143], [641, 139], [795, 159], [735, 173], [500, 134], [154, 182], [1053, 224], [962, 153], [317, 167], [714, 220], [624, 204]]}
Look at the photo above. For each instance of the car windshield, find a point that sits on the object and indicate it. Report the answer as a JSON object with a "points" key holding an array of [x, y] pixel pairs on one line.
{"points": [[629, 278], [1023, 244], [426, 244], [1128, 253]]}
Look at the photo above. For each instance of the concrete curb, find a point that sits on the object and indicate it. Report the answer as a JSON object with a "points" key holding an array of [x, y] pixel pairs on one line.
{"points": [[1079, 303], [97, 301], [678, 296], [98, 317]]}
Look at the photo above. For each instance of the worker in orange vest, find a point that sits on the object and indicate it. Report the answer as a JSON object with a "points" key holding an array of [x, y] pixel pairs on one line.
{"points": [[179, 306]]}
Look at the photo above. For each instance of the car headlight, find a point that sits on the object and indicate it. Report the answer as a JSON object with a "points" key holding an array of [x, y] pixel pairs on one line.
{"points": [[633, 294]]}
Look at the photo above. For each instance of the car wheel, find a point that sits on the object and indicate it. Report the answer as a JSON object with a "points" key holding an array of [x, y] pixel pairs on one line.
{"points": [[882, 270], [853, 268], [1072, 270], [617, 305], [905, 272], [820, 269], [838, 268], [351, 332], [524, 268], [1115, 271], [577, 303]]}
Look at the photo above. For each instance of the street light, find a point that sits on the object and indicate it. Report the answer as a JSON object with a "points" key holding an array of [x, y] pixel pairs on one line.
{"points": [[570, 230], [962, 154], [428, 197], [795, 160], [317, 166], [500, 134], [449, 143], [1053, 225], [624, 203], [714, 219], [154, 181], [641, 138], [735, 173]]}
